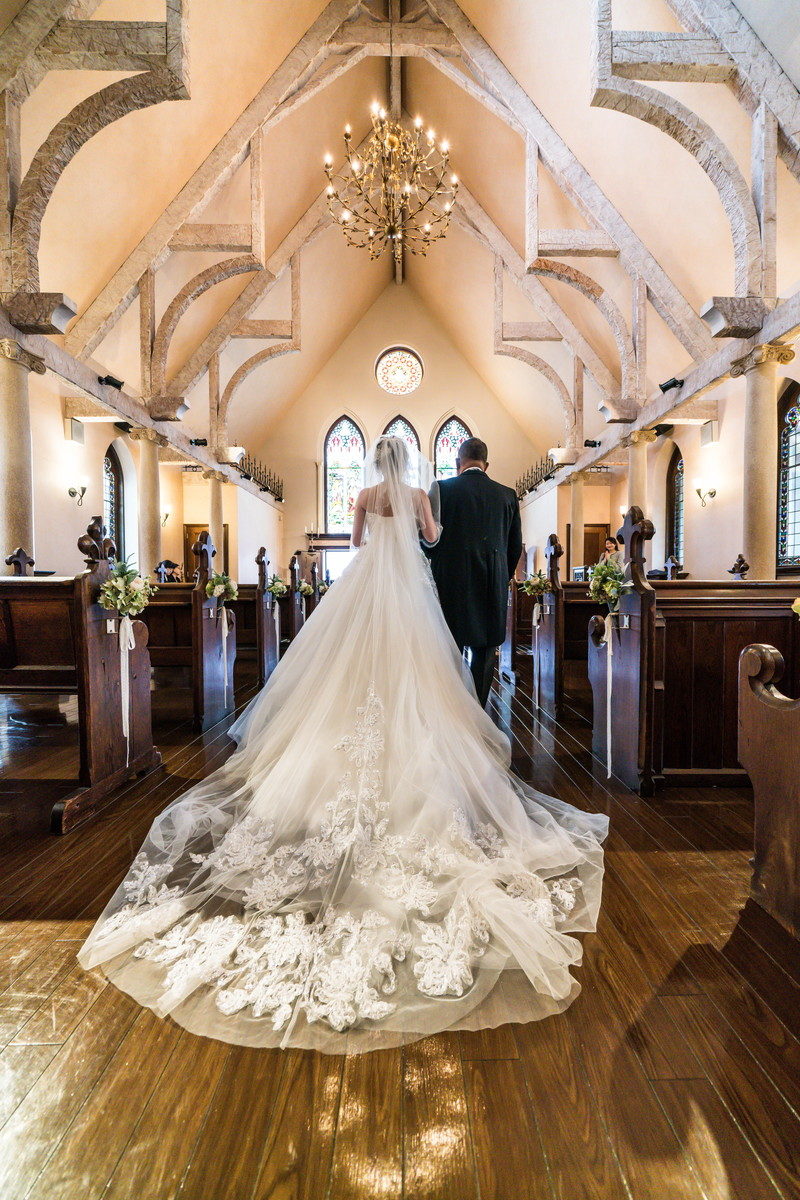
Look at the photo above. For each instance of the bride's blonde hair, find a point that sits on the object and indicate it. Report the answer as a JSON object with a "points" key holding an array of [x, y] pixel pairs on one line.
{"points": [[391, 458]]}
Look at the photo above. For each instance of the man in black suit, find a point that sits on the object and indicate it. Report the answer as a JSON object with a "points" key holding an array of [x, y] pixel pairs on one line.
{"points": [[475, 558]]}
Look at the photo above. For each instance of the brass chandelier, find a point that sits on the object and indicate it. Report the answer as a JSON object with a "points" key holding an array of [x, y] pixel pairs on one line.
{"points": [[398, 194]]}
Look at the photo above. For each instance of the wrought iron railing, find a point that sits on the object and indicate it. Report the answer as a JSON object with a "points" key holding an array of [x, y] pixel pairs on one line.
{"points": [[544, 469], [252, 468]]}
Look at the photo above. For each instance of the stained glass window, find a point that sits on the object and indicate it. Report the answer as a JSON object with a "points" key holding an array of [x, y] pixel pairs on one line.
{"points": [[344, 457], [402, 428], [399, 370], [448, 440], [675, 506], [114, 500], [789, 483]]}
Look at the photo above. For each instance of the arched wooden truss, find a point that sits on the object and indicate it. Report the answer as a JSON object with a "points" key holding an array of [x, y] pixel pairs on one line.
{"points": [[220, 403], [38, 41], [196, 286], [673, 118], [510, 349]]}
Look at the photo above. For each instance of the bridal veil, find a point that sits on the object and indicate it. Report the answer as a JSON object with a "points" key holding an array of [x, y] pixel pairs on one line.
{"points": [[364, 869]]}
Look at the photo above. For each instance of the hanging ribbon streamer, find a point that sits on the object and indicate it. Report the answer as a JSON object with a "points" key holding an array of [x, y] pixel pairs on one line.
{"points": [[127, 642], [608, 638], [223, 612], [537, 615]]}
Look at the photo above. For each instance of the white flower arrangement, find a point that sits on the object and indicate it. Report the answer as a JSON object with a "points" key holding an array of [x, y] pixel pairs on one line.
{"points": [[222, 588], [796, 606], [305, 588], [323, 587], [126, 591], [607, 583], [536, 585], [277, 586]]}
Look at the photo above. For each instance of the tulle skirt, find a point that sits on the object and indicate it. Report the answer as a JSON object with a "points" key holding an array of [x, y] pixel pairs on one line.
{"points": [[364, 870]]}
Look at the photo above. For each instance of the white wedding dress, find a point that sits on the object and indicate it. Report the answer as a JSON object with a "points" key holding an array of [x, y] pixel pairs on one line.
{"points": [[364, 870]]}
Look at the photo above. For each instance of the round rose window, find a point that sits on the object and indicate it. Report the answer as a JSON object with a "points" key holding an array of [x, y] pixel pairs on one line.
{"points": [[399, 370]]}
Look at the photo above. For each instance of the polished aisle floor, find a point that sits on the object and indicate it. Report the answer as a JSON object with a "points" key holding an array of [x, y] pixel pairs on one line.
{"points": [[675, 1076]]}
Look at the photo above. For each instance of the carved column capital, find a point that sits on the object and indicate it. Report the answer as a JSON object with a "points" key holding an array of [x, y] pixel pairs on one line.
{"points": [[639, 436], [218, 475], [765, 353], [15, 353], [145, 434]]}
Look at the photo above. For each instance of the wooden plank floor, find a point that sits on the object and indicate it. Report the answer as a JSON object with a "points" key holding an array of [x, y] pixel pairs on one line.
{"points": [[674, 1076]]}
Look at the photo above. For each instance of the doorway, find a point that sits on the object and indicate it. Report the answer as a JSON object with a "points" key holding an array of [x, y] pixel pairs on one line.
{"points": [[190, 535]]}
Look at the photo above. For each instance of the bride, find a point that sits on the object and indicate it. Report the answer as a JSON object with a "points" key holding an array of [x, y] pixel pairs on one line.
{"points": [[364, 870]]}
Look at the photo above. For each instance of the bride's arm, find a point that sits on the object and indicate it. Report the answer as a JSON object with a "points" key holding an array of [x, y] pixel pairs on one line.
{"points": [[429, 528], [358, 521]]}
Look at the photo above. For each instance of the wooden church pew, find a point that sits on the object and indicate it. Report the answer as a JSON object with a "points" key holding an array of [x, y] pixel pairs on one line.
{"points": [[256, 614], [519, 629], [186, 632], [56, 639], [291, 607], [676, 646], [559, 645], [769, 749]]}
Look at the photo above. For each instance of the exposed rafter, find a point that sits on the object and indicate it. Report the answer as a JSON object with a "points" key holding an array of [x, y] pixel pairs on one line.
{"points": [[469, 214], [579, 186], [757, 78], [540, 365], [672, 117], [293, 82], [224, 401]]}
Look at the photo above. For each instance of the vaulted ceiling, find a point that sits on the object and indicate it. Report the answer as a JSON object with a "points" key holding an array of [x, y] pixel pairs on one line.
{"points": [[116, 188]]}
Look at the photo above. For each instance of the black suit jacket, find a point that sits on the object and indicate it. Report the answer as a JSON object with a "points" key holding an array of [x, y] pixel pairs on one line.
{"points": [[476, 556]]}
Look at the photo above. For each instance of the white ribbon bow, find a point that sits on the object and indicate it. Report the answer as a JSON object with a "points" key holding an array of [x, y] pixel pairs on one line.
{"points": [[608, 638], [224, 617], [127, 642], [537, 616]]}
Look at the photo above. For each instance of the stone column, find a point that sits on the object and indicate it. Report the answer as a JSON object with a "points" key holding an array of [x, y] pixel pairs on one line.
{"points": [[149, 498], [216, 524], [16, 467], [576, 520], [759, 477], [637, 443]]}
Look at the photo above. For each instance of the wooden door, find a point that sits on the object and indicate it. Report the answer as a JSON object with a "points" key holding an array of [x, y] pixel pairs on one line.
{"points": [[190, 535], [594, 539]]}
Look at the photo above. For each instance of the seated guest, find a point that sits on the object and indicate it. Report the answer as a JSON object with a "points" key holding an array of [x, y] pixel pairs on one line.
{"points": [[612, 553]]}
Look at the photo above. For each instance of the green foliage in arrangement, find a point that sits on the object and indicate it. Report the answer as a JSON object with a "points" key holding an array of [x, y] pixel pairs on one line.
{"points": [[607, 583], [536, 585], [222, 587], [126, 591]]}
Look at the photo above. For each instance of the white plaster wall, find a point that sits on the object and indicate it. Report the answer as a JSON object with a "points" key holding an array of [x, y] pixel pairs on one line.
{"points": [[258, 524], [293, 444], [539, 520], [59, 464]]}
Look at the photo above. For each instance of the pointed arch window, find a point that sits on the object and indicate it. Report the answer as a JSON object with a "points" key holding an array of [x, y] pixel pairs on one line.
{"points": [[675, 543], [114, 500], [451, 435], [402, 428], [344, 456], [789, 480]]}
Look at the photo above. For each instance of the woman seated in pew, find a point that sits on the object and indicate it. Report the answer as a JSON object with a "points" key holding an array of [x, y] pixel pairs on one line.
{"points": [[612, 553]]}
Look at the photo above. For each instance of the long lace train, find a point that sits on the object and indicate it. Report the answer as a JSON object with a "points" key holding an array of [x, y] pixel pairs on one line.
{"points": [[364, 870]]}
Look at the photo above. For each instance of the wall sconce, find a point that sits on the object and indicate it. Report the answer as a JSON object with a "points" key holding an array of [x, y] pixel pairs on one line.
{"points": [[77, 493], [165, 515], [622, 510], [705, 493]]}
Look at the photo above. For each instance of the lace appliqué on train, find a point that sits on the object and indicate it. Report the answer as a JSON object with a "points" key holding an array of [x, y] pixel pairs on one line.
{"points": [[333, 965]]}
